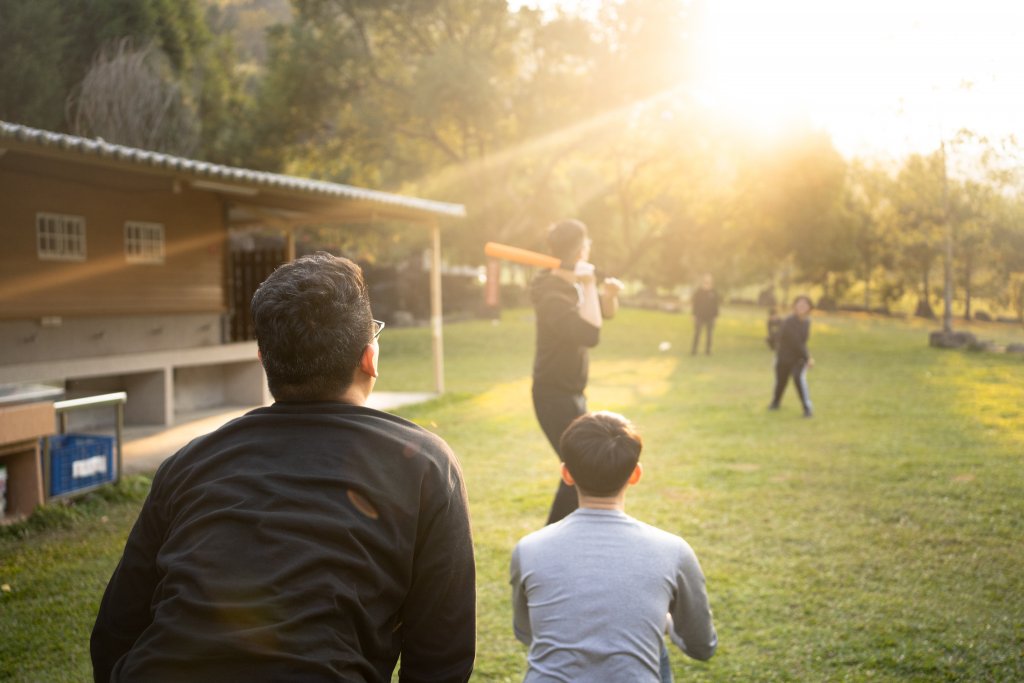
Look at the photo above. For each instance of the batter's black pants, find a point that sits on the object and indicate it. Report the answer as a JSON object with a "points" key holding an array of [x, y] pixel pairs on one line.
{"points": [[555, 410]]}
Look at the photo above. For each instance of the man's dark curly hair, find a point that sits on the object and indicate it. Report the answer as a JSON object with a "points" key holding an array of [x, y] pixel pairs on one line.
{"points": [[313, 320]]}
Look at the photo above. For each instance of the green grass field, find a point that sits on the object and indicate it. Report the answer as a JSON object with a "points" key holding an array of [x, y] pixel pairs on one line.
{"points": [[882, 540]]}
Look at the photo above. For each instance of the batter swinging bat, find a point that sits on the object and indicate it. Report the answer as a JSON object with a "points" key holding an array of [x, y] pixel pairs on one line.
{"points": [[523, 256]]}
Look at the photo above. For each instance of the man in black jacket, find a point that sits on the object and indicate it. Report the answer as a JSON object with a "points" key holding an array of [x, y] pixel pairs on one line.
{"points": [[705, 310], [792, 359], [312, 540], [570, 310]]}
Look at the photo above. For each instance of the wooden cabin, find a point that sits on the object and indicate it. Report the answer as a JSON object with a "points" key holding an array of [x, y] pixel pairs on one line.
{"points": [[114, 268]]}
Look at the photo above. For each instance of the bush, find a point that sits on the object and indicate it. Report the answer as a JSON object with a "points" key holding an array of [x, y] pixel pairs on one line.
{"points": [[924, 310], [827, 303]]}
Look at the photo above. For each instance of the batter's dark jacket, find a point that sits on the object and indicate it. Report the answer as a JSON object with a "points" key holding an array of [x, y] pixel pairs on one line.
{"points": [[562, 362]]}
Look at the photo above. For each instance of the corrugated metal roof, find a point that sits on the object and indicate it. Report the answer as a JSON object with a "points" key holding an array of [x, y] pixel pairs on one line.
{"points": [[217, 172]]}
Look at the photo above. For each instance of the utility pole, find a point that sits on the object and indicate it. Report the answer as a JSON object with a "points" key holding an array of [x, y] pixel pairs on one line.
{"points": [[947, 312]]}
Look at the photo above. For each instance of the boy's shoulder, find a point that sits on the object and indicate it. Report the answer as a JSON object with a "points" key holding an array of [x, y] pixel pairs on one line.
{"points": [[547, 534], [621, 525], [662, 536]]}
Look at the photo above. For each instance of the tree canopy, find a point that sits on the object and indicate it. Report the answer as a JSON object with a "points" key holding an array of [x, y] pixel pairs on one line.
{"points": [[525, 117]]}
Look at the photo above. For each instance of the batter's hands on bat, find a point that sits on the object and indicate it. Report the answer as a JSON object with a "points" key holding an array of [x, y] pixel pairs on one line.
{"points": [[584, 272], [612, 286]]}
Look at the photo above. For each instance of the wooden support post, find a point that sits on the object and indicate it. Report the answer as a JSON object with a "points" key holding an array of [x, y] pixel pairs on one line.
{"points": [[289, 249], [436, 309]]}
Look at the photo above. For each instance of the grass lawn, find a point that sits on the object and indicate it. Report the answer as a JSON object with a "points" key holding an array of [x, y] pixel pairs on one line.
{"points": [[881, 540]]}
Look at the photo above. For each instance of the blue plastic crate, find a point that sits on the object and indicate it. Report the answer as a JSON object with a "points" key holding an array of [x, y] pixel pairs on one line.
{"points": [[80, 461]]}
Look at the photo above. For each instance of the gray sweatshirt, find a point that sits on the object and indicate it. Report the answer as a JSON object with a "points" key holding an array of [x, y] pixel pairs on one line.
{"points": [[590, 596]]}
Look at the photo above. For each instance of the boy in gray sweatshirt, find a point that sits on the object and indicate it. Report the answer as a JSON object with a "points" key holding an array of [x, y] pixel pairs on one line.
{"points": [[593, 594]]}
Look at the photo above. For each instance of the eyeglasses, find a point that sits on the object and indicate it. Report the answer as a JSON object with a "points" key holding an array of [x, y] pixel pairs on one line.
{"points": [[378, 327]]}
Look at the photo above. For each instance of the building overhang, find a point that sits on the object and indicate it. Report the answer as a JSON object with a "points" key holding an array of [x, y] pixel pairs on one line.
{"points": [[247, 193]]}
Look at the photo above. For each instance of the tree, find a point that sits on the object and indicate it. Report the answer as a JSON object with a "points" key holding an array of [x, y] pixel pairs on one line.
{"points": [[129, 96], [31, 48], [48, 46], [1007, 241], [468, 101], [975, 209], [869, 216], [790, 191], [920, 216]]}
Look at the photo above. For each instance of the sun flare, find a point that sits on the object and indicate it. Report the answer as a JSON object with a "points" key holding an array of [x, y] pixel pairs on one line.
{"points": [[879, 75]]}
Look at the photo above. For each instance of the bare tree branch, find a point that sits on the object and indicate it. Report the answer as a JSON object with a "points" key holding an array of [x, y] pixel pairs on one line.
{"points": [[129, 96]]}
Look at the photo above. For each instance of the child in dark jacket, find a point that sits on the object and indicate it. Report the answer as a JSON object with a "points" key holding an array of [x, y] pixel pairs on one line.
{"points": [[792, 359]]}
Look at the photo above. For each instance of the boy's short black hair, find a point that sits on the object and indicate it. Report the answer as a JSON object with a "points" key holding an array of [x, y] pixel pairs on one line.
{"points": [[803, 297], [565, 238], [312, 320], [601, 451]]}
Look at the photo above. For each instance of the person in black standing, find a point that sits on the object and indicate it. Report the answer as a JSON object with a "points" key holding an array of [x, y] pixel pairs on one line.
{"points": [[792, 359], [772, 325], [570, 306], [705, 310]]}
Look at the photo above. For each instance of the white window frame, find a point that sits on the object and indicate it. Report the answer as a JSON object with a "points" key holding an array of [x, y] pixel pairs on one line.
{"points": [[143, 242], [60, 237]]}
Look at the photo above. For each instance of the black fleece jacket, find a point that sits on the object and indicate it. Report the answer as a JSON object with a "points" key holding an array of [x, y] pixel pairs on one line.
{"points": [[299, 542]]}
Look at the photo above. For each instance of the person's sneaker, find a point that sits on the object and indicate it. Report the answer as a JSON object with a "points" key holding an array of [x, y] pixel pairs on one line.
{"points": [[773, 406], [808, 413]]}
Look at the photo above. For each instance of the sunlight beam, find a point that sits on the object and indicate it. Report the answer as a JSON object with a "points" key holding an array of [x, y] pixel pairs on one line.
{"points": [[568, 136], [74, 274]]}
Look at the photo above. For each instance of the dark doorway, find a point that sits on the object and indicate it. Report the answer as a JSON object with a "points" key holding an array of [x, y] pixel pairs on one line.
{"points": [[246, 270]]}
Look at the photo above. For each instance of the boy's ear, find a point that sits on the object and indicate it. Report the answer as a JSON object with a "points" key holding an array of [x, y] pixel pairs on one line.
{"points": [[638, 472], [567, 477]]}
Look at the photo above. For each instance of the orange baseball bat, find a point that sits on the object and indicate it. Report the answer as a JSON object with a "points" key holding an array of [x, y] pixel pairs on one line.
{"points": [[523, 256]]}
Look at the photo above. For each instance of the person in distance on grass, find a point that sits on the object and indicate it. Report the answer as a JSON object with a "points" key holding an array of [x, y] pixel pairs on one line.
{"points": [[315, 539], [773, 324], [705, 311], [570, 308], [590, 594], [792, 359]]}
